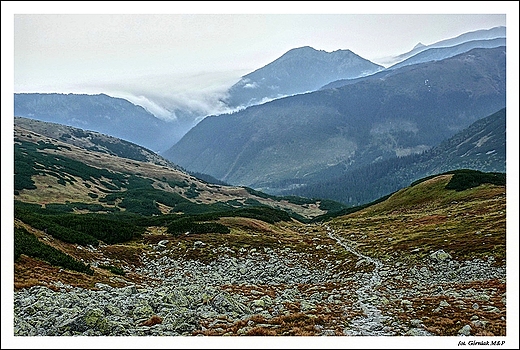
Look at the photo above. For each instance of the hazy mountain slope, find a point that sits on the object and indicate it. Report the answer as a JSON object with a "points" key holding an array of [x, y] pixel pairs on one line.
{"points": [[427, 55], [481, 146], [404, 112], [299, 70], [484, 34], [440, 53], [108, 115]]}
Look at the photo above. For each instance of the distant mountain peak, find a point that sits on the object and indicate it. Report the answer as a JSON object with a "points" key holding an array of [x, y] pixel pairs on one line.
{"points": [[303, 48], [297, 71], [482, 34], [312, 51]]}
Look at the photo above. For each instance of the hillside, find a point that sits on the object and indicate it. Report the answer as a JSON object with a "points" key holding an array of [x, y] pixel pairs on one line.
{"points": [[481, 146], [392, 269], [101, 113], [92, 141], [406, 111], [50, 171]]}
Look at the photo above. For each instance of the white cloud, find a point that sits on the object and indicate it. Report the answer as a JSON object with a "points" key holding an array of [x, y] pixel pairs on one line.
{"points": [[253, 85]]}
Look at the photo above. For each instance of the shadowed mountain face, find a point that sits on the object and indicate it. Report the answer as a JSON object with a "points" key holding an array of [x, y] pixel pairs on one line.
{"points": [[108, 115], [299, 70], [398, 113], [481, 146]]}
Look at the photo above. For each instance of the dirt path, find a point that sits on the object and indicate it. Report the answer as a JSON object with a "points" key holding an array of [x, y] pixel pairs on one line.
{"points": [[371, 323]]}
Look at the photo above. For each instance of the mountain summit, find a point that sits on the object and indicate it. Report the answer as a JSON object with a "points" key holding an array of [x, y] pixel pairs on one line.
{"points": [[297, 71]]}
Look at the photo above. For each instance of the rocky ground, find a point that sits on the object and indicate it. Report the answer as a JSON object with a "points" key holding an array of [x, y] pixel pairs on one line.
{"points": [[328, 288]]}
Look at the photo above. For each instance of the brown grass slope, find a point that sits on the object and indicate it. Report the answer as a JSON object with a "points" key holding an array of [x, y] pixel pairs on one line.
{"points": [[419, 220], [49, 191]]}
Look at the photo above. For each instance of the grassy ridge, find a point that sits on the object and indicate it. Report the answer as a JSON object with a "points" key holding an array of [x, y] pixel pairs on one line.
{"points": [[428, 216], [464, 179], [460, 180]]}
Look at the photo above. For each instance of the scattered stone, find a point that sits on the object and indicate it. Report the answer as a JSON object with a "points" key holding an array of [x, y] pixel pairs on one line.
{"points": [[406, 303], [198, 244], [417, 332], [190, 297], [444, 303], [416, 323], [466, 330], [162, 243]]}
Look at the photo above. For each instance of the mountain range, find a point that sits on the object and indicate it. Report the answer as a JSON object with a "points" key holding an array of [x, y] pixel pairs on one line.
{"points": [[356, 115], [392, 113], [434, 54], [105, 245], [481, 146], [369, 206], [101, 113], [474, 36]]}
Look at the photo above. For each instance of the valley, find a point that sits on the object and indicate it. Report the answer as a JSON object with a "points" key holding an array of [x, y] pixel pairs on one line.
{"points": [[390, 269], [330, 197]]}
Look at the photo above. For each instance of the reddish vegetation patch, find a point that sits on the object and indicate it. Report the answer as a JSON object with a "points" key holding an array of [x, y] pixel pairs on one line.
{"points": [[293, 322], [430, 220], [448, 320], [246, 223], [152, 321], [126, 253], [29, 272]]}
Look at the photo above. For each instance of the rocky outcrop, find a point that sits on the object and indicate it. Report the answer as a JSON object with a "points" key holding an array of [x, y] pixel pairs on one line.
{"points": [[183, 297]]}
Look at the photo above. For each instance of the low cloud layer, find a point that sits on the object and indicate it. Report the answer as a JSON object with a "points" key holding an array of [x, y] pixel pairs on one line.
{"points": [[172, 97], [185, 99]]}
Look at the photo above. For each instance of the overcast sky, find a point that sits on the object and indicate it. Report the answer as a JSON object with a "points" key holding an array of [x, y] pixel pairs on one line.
{"points": [[187, 59]]}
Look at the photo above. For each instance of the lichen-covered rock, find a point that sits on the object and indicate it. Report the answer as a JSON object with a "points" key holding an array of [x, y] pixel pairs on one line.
{"points": [[142, 310], [440, 255]]}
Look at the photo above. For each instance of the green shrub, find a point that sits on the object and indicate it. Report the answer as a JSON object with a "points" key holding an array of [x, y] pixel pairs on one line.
{"points": [[26, 243], [114, 269], [465, 179], [188, 225]]}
